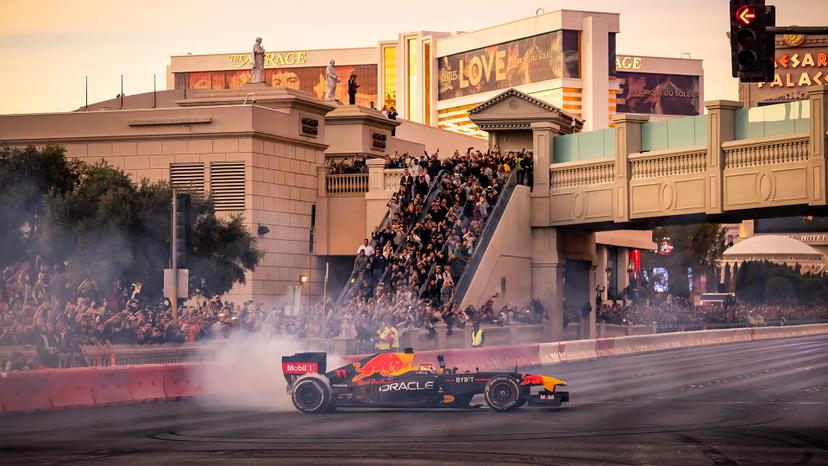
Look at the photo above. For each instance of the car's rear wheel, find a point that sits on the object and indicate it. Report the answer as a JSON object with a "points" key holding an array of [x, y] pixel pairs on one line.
{"points": [[311, 395], [503, 393]]}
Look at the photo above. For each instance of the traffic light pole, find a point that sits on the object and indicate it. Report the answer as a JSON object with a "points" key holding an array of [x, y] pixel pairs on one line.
{"points": [[174, 256], [803, 30]]}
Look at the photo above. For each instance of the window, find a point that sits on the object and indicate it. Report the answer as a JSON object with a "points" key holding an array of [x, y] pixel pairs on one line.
{"points": [[389, 76], [227, 185], [427, 81], [412, 79]]}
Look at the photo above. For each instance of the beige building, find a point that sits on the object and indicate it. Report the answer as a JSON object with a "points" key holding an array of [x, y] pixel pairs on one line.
{"points": [[565, 58]]}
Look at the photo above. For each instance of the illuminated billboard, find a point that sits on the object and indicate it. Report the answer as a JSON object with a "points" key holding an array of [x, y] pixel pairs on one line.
{"points": [[310, 79], [550, 55], [657, 93]]}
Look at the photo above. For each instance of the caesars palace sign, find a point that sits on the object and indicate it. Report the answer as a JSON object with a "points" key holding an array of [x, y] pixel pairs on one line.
{"points": [[800, 68]]}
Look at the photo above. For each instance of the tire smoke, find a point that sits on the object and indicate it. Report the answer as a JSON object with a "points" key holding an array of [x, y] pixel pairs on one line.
{"points": [[246, 373]]}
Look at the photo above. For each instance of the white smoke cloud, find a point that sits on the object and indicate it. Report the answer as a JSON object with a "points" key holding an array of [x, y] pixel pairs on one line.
{"points": [[247, 373]]}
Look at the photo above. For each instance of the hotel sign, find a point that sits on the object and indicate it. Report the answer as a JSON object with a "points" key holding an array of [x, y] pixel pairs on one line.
{"points": [[798, 64], [627, 63], [272, 59]]}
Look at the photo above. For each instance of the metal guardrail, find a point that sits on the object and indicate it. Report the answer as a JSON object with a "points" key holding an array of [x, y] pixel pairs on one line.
{"points": [[488, 232]]}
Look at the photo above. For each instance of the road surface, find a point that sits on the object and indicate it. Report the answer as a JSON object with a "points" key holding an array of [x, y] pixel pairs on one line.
{"points": [[747, 403]]}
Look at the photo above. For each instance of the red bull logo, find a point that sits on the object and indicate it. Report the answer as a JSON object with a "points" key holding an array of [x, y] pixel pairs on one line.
{"points": [[386, 365], [530, 379]]}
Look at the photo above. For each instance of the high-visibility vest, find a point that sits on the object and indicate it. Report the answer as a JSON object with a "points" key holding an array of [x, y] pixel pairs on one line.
{"points": [[382, 343], [477, 337], [519, 164], [396, 343]]}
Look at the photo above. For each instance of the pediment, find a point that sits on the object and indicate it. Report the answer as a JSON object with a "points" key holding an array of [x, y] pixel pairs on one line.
{"points": [[514, 109]]}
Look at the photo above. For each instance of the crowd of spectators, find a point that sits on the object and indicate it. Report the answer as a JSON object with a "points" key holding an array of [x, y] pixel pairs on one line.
{"points": [[406, 274], [668, 311]]}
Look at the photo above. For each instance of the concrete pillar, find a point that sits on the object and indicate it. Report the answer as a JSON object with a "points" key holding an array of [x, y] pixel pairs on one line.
{"points": [[376, 199], [623, 262], [441, 329], [627, 141], [543, 135], [817, 153], [590, 322], [547, 280], [322, 229], [721, 127], [601, 259], [595, 70]]}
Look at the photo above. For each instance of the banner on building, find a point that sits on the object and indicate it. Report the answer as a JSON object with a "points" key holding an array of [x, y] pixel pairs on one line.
{"points": [[310, 79], [533, 59], [656, 93]]}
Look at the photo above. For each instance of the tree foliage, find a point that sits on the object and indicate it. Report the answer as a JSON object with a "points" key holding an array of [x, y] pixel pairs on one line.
{"points": [[760, 282], [103, 226], [697, 247]]}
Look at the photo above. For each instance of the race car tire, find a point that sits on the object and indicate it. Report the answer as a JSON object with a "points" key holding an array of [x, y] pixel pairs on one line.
{"points": [[311, 395], [503, 394]]}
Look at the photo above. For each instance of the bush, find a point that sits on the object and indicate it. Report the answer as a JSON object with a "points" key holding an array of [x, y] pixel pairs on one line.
{"points": [[778, 288]]}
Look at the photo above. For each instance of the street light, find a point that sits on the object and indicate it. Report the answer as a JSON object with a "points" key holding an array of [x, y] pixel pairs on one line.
{"points": [[304, 279]]}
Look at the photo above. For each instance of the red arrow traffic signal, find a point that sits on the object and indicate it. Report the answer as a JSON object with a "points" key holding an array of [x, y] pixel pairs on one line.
{"points": [[745, 15]]}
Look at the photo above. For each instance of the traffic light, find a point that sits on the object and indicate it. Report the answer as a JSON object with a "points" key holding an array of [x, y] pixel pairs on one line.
{"points": [[752, 48], [182, 229]]}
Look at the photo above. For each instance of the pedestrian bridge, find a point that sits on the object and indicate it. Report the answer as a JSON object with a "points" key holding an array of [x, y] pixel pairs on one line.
{"points": [[730, 163]]}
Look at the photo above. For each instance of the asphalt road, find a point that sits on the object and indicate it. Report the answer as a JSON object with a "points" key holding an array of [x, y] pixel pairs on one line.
{"points": [[748, 403]]}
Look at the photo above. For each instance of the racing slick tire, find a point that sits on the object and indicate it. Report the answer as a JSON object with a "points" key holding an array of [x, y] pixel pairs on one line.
{"points": [[311, 395], [503, 394]]}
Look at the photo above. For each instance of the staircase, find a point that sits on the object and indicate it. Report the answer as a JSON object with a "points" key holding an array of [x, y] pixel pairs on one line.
{"points": [[353, 281], [462, 285]]}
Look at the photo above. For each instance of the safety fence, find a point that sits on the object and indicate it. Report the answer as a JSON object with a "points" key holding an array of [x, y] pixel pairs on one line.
{"points": [[102, 386]]}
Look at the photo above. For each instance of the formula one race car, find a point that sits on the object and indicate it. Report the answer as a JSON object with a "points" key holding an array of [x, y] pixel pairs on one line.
{"points": [[392, 380]]}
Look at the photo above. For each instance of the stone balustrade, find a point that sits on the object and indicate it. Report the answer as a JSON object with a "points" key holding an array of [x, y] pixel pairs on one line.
{"points": [[351, 184], [569, 174], [766, 151], [668, 163], [392, 178]]}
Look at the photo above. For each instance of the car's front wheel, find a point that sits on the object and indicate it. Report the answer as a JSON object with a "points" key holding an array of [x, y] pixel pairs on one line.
{"points": [[503, 393], [311, 395]]}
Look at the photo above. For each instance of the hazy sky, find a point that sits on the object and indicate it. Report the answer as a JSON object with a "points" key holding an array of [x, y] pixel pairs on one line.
{"points": [[47, 46]]}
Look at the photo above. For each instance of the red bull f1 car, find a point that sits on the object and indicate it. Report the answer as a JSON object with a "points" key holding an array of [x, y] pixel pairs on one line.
{"points": [[392, 380]]}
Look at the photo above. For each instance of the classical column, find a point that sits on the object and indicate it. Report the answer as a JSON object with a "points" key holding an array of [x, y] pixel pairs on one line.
{"points": [[627, 141], [817, 150], [543, 134], [375, 198], [721, 127]]}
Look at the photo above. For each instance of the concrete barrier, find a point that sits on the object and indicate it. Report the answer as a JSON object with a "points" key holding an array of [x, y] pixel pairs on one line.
{"points": [[69, 388]]}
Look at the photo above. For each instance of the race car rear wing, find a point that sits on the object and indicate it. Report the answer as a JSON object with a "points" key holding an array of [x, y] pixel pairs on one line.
{"points": [[302, 363]]}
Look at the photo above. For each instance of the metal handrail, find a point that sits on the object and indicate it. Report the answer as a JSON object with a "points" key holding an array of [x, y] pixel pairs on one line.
{"points": [[462, 285]]}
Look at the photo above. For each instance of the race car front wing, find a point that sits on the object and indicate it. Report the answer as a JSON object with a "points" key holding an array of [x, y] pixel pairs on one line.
{"points": [[547, 398]]}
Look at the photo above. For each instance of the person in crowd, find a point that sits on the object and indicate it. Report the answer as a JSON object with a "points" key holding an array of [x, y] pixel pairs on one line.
{"points": [[352, 89]]}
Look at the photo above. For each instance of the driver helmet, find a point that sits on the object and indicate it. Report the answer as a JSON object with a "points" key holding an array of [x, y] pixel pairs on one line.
{"points": [[427, 367]]}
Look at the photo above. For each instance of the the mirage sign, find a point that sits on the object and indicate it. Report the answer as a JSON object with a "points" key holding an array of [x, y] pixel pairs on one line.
{"points": [[533, 59]]}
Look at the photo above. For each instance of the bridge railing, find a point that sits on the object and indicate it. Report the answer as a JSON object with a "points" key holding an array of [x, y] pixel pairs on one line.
{"points": [[349, 184], [586, 172], [730, 160]]}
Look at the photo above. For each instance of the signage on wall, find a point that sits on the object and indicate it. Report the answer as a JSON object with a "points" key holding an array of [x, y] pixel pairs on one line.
{"points": [[799, 69], [628, 63], [272, 59], [657, 93], [550, 55]]}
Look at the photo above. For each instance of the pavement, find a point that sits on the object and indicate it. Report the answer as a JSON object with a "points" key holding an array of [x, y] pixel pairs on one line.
{"points": [[747, 403]]}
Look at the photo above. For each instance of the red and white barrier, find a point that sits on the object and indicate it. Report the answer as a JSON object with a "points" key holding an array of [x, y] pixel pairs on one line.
{"points": [[101, 386]]}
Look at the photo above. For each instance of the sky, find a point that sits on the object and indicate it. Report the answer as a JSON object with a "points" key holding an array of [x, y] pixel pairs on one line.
{"points": [[48, 46]]}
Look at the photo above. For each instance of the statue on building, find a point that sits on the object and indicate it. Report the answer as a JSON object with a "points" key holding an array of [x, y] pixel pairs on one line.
{"points": [[258, 62], [331, 77]]}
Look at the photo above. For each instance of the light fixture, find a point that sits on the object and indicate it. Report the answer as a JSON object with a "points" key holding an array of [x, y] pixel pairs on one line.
{"points": [[303, 278], [262, 230]]}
